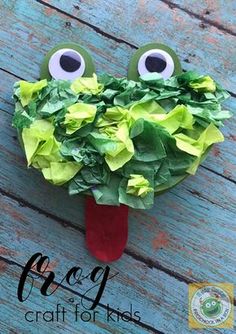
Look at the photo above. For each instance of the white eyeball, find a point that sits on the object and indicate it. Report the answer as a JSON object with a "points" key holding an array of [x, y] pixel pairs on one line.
{"points": [[66, 64], [208, 305], [156, 60]]}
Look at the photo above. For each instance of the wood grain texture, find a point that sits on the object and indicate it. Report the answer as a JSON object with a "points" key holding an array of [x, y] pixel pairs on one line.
{"points": [[217, 12], [15, 312], [148, 289], [30, 30], [199, 46], [189, 235]]}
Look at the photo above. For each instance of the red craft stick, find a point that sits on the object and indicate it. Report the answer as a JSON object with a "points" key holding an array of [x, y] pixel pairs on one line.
{"points": [[106, 229]]}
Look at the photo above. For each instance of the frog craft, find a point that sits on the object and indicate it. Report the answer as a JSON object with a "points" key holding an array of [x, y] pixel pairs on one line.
{"points": [[119, 141]]}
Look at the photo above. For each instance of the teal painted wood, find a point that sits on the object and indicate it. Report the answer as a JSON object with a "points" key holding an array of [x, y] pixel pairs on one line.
{"points": [[31, 195], [218, 12], [29, 30], [12, 317], [199, 46], [190, 232], [149, 290]]}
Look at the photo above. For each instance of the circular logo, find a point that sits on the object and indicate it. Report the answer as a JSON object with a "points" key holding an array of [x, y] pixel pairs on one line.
{"points": [[210, 305]]}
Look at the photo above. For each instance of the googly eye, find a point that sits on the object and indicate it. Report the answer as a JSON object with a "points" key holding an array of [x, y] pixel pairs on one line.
{"points": [[213, 303], [154, 57], [66, 64], [208, 305], [67, 61], [156, 60]]}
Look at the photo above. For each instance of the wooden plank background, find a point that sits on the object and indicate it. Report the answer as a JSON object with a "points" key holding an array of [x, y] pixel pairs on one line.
{"points": [[190, 233]]}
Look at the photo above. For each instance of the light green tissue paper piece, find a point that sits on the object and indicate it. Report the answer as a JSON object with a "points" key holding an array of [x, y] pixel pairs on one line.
{"points": [[144, 109], [188, 144], [42, 151], [87, 85], [28, 90], [78, 115], [113, 138], [117, 114], [176, 118], [119, 157], [40, 130], [124, 150], [134, 201], [61, 172], [138, 186], [197, 147], [31, 144], [113, 116], [48, 152], [172, 121], [203, 84]]}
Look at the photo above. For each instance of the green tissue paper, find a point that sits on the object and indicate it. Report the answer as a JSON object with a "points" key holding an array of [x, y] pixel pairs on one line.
{"points": [[119, 140]]}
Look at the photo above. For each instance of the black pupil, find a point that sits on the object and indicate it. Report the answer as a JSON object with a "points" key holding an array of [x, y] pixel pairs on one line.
{"points": [[69, 63], [155, 64]]}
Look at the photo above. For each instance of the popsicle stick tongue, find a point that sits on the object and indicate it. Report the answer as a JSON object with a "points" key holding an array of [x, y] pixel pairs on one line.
{"points": [[106, 230]]}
